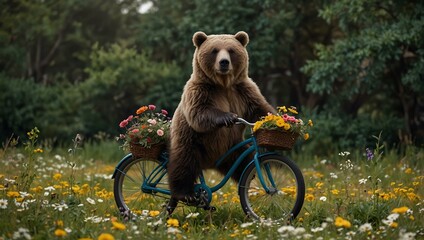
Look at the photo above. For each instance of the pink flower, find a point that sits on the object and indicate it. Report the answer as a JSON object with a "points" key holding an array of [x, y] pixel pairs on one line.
{"points": [[160, 132], [130, 118], [285, 117], [135, 130], [152, 121], [164, 112], [152, 107], [124, 123]]}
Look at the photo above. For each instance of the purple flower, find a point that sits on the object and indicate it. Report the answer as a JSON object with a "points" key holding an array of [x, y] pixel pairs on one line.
{"points": [[369, 153]]}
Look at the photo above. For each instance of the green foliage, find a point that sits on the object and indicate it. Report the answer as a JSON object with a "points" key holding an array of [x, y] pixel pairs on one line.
{"points": [[119, 80], [381, 54]]}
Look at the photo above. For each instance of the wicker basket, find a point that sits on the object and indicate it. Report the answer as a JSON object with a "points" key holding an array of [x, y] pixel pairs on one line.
{"points": [[274, 139], [139, 151]]}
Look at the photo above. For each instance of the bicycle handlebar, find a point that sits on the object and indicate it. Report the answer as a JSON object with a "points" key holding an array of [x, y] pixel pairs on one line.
{"points": [[243, 121]]}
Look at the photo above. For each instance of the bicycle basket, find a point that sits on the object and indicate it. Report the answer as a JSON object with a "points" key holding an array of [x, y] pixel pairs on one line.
{"points": [[274, 139]]}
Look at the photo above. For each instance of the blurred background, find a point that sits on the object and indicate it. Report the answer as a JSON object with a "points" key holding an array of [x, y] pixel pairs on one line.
{"points": [[355, 67]]}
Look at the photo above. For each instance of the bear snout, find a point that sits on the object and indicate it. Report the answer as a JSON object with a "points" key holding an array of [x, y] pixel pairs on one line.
{"points": [[224, 64]]}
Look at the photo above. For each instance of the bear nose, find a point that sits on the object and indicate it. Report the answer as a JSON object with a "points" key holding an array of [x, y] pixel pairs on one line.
{"points": [[224, 63]]}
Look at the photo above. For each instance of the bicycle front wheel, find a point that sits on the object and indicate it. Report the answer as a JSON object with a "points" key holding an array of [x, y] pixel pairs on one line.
{"points": [[286, 189], [135, 186]]}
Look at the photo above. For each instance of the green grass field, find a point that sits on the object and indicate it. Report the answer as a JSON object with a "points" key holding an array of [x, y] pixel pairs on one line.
{"points": [[54, 193]]}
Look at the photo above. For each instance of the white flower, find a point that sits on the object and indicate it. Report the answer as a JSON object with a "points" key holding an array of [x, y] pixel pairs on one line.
{"points": [[59, 207], [333, 175], [244, 225], [49, 188], [173, 230], [284, 229], [3, 203], [22, 233], [323, 198], [365, 227], [192, 215], [91, 201], [363, 181], [317, 229]]}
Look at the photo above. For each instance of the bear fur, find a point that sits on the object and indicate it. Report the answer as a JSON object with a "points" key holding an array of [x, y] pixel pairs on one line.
{"points": [[218, 91]]}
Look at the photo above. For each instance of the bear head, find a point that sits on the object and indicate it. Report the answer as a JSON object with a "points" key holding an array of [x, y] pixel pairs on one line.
{"points": [[221, 58]]}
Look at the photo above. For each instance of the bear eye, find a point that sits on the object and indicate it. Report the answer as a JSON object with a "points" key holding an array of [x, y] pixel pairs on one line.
{"points": [[214, 51]]}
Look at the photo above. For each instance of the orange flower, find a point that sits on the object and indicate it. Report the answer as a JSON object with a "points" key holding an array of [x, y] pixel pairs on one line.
{"points": [[141, 110]]}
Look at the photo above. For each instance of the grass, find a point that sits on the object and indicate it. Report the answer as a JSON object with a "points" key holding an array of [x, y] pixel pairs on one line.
{"points": [[48, 193]]}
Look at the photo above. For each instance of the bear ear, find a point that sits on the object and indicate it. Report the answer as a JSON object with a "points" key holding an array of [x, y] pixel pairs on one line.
{"points": [[242, 37], [199, 38]]}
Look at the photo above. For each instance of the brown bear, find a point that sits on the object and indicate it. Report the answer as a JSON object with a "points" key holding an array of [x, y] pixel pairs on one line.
{"points": [[218, 91]]}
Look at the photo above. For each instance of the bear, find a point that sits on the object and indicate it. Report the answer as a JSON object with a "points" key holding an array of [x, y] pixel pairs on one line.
{"points": [[202, 129]]}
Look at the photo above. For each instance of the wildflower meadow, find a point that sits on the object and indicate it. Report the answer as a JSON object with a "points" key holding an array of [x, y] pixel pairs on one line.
{"points": [[66, 193]]}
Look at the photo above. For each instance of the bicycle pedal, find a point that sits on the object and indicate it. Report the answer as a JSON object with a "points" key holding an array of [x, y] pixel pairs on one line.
{"points": [[209, 208]]}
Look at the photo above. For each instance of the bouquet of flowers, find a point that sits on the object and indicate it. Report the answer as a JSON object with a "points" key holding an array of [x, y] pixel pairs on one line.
{"points": [[146, 129], [284, 125]]}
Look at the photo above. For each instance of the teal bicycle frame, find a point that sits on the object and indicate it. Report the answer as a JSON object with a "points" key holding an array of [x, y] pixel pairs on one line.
{"points": [[153, 178]]}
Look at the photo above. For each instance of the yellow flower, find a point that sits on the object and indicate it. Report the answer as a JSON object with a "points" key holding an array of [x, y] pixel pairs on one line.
{"points": [[172, 222], [57, 176], [335, 192], [408, 171], [400, 210], [293, 110], [286, 126], [38, 150], [12, 194], [309, 197], [106, 236], [118, 226], [59, 223], [60, 233], [310, 123], [306, 136], [394, 225], [280, 122], [154, 213], [282, 109], [257, 125], [340, 222]]}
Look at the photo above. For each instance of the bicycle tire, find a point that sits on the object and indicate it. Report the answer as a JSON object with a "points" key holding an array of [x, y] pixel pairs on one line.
{"points": [[283, 202], [129, 196]]}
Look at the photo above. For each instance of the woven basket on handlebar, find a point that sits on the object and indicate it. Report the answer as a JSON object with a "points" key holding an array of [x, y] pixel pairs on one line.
{"points": [[274, 139], [139, 151]]}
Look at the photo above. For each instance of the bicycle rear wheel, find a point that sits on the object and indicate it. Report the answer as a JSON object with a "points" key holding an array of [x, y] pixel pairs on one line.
{"points": [[132, 175], [286, 193]]}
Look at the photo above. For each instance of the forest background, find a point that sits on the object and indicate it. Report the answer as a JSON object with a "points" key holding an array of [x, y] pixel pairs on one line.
{"points": [[355, 67]]}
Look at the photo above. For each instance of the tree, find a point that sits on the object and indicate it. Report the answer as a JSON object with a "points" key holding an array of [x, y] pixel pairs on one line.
{"points": [[376, 64]]}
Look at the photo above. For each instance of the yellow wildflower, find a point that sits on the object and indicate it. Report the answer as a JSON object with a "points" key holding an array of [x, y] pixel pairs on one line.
{"points": [[286, 126], [154, 213], [106, 236], [38, 150], [59, 223], [60, 233], [172, 222], [408, 171], [13, 194], [118, 226], [335, 192], [309, 197], [394, 225], [340, 222], [306, 136], [57, 176], [400, 210]]}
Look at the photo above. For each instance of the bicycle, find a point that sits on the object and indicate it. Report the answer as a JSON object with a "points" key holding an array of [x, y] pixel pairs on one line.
{"points": [[271, 186]]}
